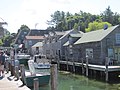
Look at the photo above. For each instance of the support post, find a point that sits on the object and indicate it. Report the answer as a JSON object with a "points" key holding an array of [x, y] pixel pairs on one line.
{"points": [[73, 64], [58, 62], [106, 70], [17, 72], [67, 63], [7, 66], [22, 67], [36, 84], [54, 77], [87, 66], [82, 66]]}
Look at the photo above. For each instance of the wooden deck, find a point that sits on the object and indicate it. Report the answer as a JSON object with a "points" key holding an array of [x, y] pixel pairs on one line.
{"points": [[9, 83], [94, 67]]}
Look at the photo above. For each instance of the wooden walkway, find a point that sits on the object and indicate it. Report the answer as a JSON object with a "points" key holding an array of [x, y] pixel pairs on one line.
{"points": [[94, 67], [9, 83]]}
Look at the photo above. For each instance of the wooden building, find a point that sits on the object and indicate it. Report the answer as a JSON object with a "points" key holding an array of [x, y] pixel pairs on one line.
{"points": [[99, 44]]}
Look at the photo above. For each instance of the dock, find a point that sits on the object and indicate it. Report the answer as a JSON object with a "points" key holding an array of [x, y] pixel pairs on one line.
{"points": [[10, 83], [104, 72], [93, 67]]}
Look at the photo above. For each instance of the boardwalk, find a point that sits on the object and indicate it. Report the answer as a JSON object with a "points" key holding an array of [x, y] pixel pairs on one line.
{"points": [[9, 83], [93, 67]]}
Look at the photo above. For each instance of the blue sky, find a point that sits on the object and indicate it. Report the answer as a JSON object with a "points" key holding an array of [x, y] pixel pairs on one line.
{"points": [[30, 12]]}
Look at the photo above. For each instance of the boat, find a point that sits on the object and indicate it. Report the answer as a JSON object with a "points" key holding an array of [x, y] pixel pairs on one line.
{"points": [[43, 77], [23, 58], [42, 65], [40, 62]]}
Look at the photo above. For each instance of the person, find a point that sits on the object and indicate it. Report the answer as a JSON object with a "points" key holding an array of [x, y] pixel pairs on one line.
{"points": [[12, 69], [2, 63]]}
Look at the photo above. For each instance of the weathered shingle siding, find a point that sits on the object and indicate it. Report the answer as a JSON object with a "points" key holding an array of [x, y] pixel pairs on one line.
{"points": [[100, 48]]}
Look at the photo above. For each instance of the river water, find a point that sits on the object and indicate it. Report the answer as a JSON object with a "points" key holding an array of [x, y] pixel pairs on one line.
{"points": [[69, 81]]}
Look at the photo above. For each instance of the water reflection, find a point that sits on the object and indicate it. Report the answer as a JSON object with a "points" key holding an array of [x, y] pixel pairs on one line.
{"points": [[69, 81]]}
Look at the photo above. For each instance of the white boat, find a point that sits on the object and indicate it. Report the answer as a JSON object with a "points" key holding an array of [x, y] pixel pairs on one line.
{"points": [[42, 65], [40, 62], [43, 77], [23, 58]]}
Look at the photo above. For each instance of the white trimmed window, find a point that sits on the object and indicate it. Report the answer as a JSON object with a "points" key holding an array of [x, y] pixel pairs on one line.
{"points": [[117, 37]]}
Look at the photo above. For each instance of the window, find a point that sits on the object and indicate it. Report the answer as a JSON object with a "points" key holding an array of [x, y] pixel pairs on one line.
{"points": [[110, 53], [89, 53], [117, 37], [30, 42], [25, 32]]}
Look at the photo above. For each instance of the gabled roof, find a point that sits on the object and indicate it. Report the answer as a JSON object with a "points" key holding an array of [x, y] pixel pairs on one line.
{"points": [[66, 44], [34, 37], [95, 36], [37, 32], [74, 34], [60, 33], [38, 44], [66, 33]]}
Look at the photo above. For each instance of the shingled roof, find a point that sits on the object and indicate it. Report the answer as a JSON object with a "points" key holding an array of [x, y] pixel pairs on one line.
{"points": [[95, 36]]}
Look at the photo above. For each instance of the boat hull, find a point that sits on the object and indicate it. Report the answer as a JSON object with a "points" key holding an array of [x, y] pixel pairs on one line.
{"points": [[43, 80]]}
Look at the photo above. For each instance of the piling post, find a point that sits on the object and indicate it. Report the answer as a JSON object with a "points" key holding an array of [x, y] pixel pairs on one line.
{"points": [[58, 62], [54, 77], [73, 64], [7, 66], [17, 72], [87, 66], [82, 66], [106, 70], [22, 67], [36, 84], [67, 63]]}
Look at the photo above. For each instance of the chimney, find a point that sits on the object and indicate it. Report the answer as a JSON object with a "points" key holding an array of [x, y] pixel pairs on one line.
{"points": [[78, 28], [105, 26]]}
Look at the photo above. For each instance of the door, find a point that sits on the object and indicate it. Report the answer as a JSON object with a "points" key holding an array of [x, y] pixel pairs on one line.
{"points": [[118, 54]]}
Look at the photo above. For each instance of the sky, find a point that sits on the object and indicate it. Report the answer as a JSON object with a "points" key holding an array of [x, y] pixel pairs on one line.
{"points": [[32, 12]]}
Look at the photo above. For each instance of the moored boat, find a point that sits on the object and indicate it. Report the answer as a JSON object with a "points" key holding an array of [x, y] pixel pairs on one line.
{"points": [[23, 58], [40, 62], [43, 77]]}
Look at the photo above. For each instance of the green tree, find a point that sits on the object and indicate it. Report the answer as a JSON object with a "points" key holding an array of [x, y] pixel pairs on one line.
{"points": [[107, 15], [23, 27], [96, 26], [1, 43], [75, 26]]}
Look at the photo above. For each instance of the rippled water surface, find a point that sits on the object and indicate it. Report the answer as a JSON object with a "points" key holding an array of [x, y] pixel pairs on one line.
{"points": [[78, 82]]}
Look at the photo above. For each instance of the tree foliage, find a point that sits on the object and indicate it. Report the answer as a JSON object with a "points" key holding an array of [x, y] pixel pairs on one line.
{"points": [[23, 27], [96, 26], [66, 21], [8, 39]]}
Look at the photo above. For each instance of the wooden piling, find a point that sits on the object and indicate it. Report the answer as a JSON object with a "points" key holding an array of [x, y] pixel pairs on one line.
{"points": [[67, 64], [106, 70], [7, 66], [36, 84], [87, 66], [73, 64], [58, 58], [54, 77], [17, 72], [82, 67], [22, 68]]}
